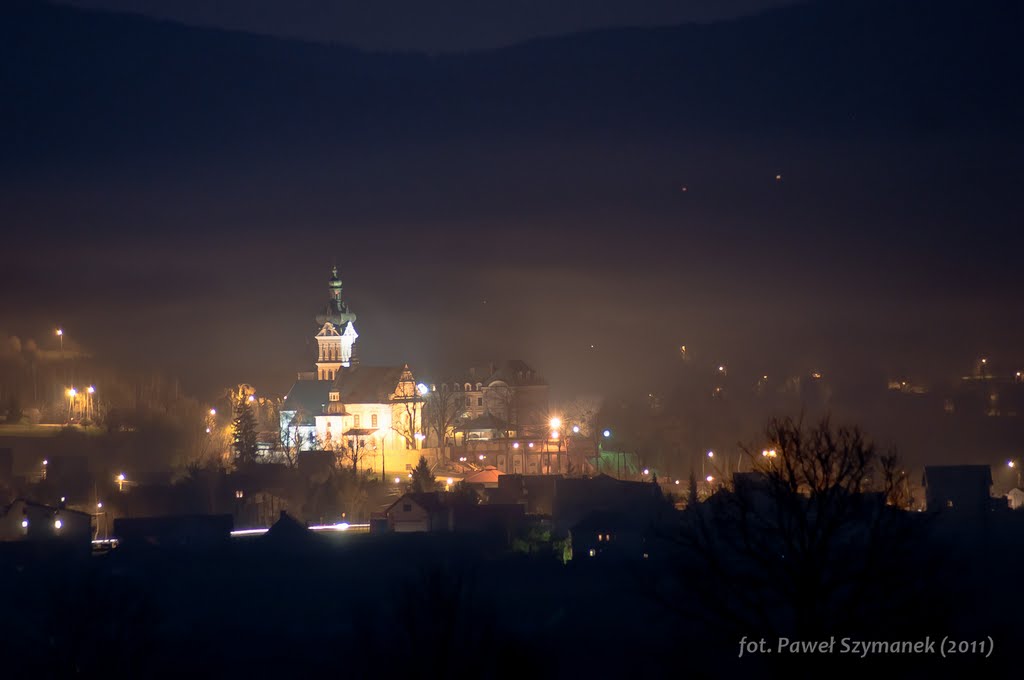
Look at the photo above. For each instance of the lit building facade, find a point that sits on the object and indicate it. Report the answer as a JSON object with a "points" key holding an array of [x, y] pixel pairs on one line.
{"points": [[370, 416]]}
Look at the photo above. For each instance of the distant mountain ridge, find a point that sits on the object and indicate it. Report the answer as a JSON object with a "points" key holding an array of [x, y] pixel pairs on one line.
{"points": [[88, 81]]}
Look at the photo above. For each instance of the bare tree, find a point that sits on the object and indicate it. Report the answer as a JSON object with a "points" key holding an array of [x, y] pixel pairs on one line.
{"points": [[441, 411], [405, 425], [814, 535]]}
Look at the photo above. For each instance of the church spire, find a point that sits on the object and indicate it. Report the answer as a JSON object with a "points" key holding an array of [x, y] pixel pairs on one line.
{"points": [[337, 335]]}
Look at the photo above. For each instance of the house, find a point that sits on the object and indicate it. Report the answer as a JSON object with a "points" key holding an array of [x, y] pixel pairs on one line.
{"points": [[27, 521], [612, 535], [576, 499], [490, 518], [487, 478], [535, 492], [1015, 499], [415, 512], [964, 489]]}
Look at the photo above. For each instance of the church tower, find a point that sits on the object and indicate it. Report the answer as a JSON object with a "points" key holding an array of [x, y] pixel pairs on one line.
{"points": [[337, 336]]}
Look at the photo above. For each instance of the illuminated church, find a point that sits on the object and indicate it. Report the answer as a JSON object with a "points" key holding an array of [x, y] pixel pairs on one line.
{"points": [[337, 337], [367, 414]]}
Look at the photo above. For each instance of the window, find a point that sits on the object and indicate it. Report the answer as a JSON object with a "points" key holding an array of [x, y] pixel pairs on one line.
{"points": [[373, 420], [469, 388], [407, 507], [334, 396], [355, 420], [479, 401]]}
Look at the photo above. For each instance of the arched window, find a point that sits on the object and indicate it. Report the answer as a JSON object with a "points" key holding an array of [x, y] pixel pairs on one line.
{"points": [[469, 388], [479, 386], [444, 387]]}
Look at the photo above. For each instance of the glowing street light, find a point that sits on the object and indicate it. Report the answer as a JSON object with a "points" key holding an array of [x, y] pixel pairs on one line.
{"points": [[575, 429], [57, 524], [91, 389], [398, 480], [555, 423], [646, 471], [515, 445], [607, 433], [1011, 463], [711, 454], [422, 389], [120, 481], [481, 456], [72, 392], [213, 411], [710, 479], [554, 434], [252, 398]]}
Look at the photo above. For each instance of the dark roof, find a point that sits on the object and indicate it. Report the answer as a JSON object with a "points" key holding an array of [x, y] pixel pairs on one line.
{"points": [[368, 384], [958, 475], [429, 501], [307, 395], [486, 421], [286, 530], [516, 372], [359, 431], [34, 504]]}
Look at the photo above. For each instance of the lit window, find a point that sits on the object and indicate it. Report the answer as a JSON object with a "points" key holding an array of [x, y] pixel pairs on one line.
{"points": [[593, 552], [373, 420], [355, 420], [949, 504], [239, 494]]}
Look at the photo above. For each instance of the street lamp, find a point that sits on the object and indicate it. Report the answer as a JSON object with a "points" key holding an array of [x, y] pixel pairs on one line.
{"points": [[120, 482], [1012, 464]]}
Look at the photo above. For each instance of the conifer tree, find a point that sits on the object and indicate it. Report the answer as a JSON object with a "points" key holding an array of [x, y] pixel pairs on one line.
{"points": [[243, 434]]}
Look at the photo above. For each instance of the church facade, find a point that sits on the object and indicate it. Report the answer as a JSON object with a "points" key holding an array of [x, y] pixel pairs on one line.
{"points": [[370, 416]]}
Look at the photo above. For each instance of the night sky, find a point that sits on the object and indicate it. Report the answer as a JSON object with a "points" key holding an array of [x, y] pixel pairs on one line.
{"points": [[175, 196], [446, 26]]}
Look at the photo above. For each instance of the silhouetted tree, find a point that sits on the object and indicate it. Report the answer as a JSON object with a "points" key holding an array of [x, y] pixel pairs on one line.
{"points": [[422, 477], [813, 535], [693, 499], [243, 434], [463, 494], [442, 410]]}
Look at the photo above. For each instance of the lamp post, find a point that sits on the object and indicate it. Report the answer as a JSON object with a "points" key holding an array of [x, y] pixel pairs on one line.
{"points": [[1015, 466], [556, 435], [72, 392]]}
